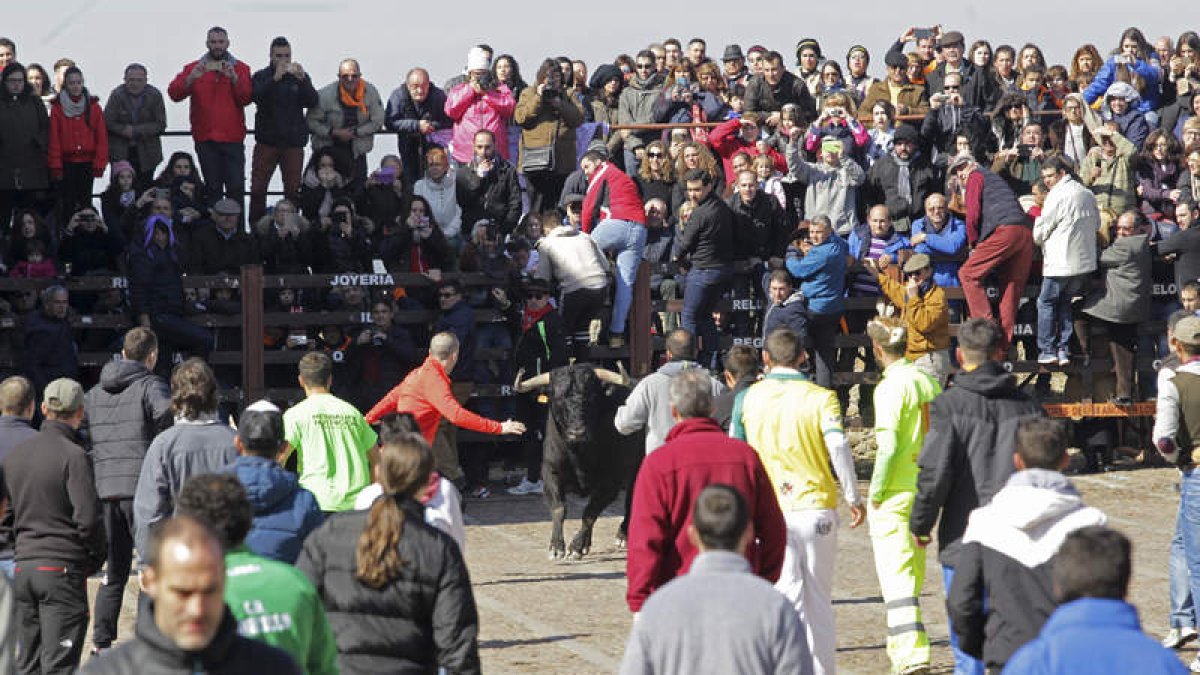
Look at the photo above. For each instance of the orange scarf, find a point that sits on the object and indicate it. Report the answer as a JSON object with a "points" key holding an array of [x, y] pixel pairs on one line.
{"points": [[357, 99]]}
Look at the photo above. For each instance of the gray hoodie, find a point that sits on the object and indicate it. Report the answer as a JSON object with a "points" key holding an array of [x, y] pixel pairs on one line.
{"points": [[572, 259], [649, 404]]}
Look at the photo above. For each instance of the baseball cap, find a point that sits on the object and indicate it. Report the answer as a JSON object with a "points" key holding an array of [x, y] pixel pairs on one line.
{"points": [[1187, 330], [916, 263], [63, 395], [261, 428]]}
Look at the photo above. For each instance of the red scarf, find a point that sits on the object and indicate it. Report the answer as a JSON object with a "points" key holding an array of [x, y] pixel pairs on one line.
{"points": [[530, 317]]}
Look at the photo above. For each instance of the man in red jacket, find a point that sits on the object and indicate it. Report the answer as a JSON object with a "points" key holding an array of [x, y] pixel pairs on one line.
{"points": [[613, 214], [425, 394], [220, 87], [697, 454]]}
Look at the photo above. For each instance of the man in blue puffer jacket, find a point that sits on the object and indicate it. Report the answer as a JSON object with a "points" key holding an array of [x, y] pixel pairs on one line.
{"points": [[284, 512], [819, 264]]}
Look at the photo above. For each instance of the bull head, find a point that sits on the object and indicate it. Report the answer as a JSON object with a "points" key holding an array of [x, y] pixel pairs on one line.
{"points": [[620, 378]]}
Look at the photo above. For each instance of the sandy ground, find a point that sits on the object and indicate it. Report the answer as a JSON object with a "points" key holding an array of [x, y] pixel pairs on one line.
{"points": [[542, 616]]}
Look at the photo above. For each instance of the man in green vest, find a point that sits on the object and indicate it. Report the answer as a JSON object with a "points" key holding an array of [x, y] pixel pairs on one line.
{"points": [[901, 418]]}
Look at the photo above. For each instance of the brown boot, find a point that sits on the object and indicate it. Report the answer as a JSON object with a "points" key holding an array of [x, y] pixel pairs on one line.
{"points": [[1123, 368]]}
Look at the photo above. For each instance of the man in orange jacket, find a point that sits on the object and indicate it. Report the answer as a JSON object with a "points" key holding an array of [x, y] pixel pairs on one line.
{"points": [[425, 394]]}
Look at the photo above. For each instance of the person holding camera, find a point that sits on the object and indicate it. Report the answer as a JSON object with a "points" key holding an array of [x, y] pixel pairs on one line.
{"points": [[284, 239], [415, 111], [381, 356], [220, 88], [949, 116], [386, 193], [347, 248], [1133, 56], [324, 182], [282, 92], [88, 246], [1022, 163], [480, 103], [548, 120]]}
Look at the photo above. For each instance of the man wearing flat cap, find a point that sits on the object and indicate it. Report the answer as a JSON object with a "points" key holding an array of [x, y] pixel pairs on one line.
{"points": [[734, 66], [59, 536], [921, 304], [907, 97], [224, 246], [952, 61]]}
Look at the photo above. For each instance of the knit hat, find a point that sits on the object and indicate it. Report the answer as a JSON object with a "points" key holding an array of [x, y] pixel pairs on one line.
{"points": [[120, 167], [603, 75], [895, 60], [477, 59], [808, 43], [858, 48], [905, 132]]}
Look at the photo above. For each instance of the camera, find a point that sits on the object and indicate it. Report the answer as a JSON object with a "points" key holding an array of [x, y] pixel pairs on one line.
{"points": [[550, 91], [377, 340], [340, 217], [385, 176], [487, 80], [1024, 152]]}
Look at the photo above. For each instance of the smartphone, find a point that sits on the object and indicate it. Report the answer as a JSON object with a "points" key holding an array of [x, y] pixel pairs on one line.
{"points": [[214, 65], [162, 193], [923, 33]]}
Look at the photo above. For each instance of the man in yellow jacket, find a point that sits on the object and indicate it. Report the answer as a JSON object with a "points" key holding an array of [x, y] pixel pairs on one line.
{"points": [[796, 427], [901, 418], [922, 306]]}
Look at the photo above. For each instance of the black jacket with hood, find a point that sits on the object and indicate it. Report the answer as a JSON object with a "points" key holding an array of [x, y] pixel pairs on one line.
{"points": [[125, 411], [1007, 553], [968, 452], [152, 653]]}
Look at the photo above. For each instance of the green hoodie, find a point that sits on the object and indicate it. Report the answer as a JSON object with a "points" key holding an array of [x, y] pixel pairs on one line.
{"points": [[901, 419], [275, 603]]}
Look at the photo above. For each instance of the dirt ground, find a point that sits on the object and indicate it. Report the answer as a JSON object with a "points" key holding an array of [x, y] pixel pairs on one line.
{"points": [[542, 616]]}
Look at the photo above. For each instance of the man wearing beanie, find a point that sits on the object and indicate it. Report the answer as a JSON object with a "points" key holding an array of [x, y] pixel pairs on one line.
{"points": [[479, 103], [902, 179]]}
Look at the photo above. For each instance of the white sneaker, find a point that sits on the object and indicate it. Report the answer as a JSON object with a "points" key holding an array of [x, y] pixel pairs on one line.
{"points": [[1177, 637], [527, 488], [1195, 665]]}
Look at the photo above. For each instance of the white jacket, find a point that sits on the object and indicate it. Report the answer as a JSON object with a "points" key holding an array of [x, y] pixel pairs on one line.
{"points": [[572, 259], [1066, 230]]}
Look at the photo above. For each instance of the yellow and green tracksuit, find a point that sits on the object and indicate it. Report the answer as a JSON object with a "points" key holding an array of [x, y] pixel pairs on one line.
{"points": [[901, 419]]}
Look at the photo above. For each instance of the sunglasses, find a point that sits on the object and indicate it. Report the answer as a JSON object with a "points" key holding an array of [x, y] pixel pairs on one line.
{"points": [[645, 66], [447, 294], [655, 155], [950, 88], [537, 295]]}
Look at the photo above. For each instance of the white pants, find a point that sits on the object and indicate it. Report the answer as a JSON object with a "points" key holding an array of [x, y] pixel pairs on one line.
{"points": [[807, 580]]}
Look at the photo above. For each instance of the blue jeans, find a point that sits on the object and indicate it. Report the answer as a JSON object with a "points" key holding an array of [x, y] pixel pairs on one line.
{"points": [[1183, 612], [224, 168], [1054, 326], [1189, 524], [624, 239], [964, 664], [701, 292]]}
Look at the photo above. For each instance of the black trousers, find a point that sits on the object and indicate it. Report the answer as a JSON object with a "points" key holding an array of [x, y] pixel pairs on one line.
{"points": [[74, 191], [823, 330], [118, 522], [52, 616]]}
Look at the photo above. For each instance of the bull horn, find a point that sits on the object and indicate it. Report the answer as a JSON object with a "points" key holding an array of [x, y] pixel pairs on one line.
{"points": [[608, 376], [532, 383]]}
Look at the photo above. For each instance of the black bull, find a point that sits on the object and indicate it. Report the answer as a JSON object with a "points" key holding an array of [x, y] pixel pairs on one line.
{"points": [[583, 453]]}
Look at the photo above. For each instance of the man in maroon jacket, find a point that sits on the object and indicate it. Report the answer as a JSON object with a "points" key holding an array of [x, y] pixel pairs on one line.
{"points": [[697, 454], [613, 214], [220, 87]]}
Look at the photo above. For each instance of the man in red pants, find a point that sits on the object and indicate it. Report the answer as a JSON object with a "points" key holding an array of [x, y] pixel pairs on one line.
{"points": [[1001, 239]]}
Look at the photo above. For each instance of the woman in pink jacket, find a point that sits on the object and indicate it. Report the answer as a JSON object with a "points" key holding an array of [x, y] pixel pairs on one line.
{"points": [[478, 103]]}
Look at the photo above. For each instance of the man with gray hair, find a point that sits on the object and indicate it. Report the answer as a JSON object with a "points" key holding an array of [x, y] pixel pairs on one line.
{"points": [[647, 406], [50, 349], [697, 453]]}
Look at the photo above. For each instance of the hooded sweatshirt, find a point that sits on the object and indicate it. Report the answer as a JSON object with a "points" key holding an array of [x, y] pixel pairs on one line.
{"points": [[1008, 549], [284, 512], [648, 405], [125, 411]]}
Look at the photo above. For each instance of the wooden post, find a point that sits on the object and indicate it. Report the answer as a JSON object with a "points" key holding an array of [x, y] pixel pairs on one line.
{"points": [[641, 343], [252, 333]]}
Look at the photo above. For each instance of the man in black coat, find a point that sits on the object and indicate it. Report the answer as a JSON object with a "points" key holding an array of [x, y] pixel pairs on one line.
{"points": [[487, 188], [185, 625], [707, 246], [125, 411], [968, 452], [415, 110], [59, 537], [50, 349], [766, 94], [222, 247], [760, 223], [282, 93], [17, 405], [902, 180]]}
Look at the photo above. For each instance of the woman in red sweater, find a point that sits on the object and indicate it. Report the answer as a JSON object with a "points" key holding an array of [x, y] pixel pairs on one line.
{"points": [[78, 143]]}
